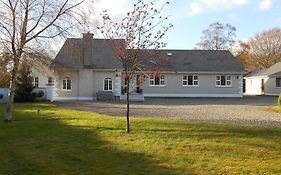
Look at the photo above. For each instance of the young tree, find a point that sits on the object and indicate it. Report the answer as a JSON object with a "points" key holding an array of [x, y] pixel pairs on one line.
{"points": [[137, 37], [24, 22], [217, 37]]}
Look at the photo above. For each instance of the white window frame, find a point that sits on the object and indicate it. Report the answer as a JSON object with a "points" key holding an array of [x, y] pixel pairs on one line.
{"points": [[107, 80], [228, 81], [65, 80], [194, 80], [162, 80], [35, 82]]}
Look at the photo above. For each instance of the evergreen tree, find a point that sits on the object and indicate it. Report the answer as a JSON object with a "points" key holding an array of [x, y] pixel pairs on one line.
{"points": [[24, 85]]}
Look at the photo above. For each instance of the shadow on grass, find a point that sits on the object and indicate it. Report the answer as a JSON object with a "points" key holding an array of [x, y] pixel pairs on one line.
{"points": [[214, 131], [34, 145]]}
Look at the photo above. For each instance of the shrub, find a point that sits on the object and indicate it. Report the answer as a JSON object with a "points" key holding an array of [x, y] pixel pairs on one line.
{"points": [[38, 94], [1, 96], [279, 100]]}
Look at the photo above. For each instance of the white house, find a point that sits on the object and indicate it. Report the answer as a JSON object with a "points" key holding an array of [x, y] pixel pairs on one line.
{"points": [[86, 67], [265, 81]]}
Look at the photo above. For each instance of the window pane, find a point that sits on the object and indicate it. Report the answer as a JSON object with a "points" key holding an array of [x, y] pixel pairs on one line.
{"points": [[184, 82], [151, 82], [64, 84], [184, 77], [190, 80], [162, 82], [50, 80], [223, 83], [195, 83], [195, 77], [228, 78], [218, 83], [157, 80], [105, 86], [218, 77], [68, 84], [162, 77], [36, 81], [228, 83], [110, 85], [278, 82]]}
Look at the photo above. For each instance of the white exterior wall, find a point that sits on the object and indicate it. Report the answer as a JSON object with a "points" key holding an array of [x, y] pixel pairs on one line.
{"points": [[207, 87], [42, 76], [85, 84], [270, 87], [254, 85]]}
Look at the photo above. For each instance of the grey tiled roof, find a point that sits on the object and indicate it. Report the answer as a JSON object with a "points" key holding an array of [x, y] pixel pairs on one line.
{"points": [[277, 74], [201, 61], [71, 56], [258, 73], [273, 71]]}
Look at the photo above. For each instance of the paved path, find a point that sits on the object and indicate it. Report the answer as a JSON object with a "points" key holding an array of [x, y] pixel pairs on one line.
{"points": [[247, 110]]}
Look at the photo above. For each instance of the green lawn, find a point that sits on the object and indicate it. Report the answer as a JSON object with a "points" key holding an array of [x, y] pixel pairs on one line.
{"points": [[89, 143]]}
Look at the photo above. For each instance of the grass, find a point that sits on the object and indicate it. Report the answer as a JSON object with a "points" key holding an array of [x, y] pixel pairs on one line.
{"points": [[89, 143]]}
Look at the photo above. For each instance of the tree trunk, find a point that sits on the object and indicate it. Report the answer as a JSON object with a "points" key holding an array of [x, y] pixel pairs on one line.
{"points": [[9, 111], [128, 108]]}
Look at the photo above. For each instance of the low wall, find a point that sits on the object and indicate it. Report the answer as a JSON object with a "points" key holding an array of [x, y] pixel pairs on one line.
{"points": [[48, 94], [4, 92], [36, 90]]}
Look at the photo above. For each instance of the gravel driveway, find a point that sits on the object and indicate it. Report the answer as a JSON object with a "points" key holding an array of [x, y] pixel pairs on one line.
{"points": [[249, 110]]}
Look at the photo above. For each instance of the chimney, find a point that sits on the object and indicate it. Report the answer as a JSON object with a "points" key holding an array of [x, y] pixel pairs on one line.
{"points": [[87, 49]]}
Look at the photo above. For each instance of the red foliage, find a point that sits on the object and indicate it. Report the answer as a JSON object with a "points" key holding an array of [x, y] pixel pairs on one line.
{"points": [[136, 39]]}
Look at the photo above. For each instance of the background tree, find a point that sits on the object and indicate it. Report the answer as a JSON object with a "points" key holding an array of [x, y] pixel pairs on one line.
{"points": [[4, 74], [141, 29], [263, 50], [217, 37], [25, 22], [244, 56]]}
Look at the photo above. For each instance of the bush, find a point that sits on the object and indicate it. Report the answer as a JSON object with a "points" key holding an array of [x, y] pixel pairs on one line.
{"points": [[38, 94], [279, 100], [1, 96]]}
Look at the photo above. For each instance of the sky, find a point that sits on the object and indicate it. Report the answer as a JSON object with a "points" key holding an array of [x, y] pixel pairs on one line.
{"points": [[191, 17]]}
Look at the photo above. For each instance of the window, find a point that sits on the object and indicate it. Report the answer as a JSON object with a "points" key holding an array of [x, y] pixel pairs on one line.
{"points": [[157, 80], [66, 84], [223, 80], [190, 80], [278, 82], [50, 80], [35, 82], [107, 84]]}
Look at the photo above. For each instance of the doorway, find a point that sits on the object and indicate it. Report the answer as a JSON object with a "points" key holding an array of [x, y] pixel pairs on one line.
{"points": [[262, 86]]}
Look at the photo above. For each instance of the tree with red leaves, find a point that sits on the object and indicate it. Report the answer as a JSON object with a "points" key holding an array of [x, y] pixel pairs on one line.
{"points": [[136, 41]]}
